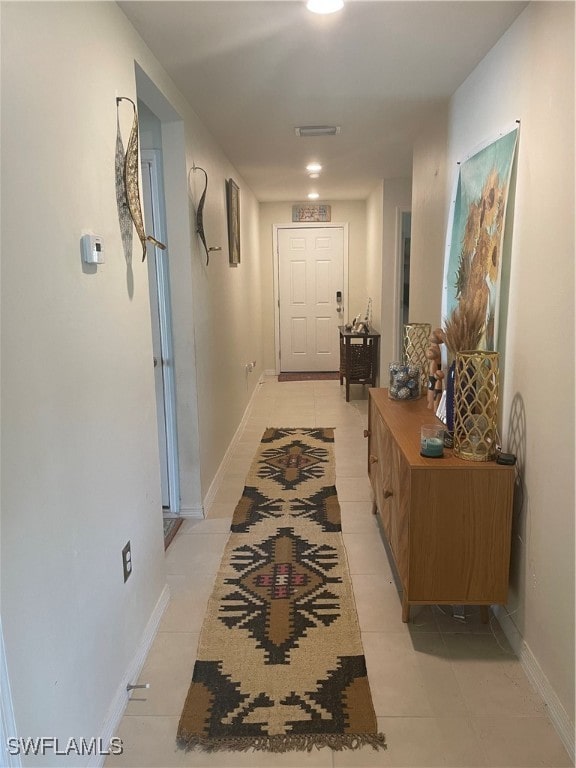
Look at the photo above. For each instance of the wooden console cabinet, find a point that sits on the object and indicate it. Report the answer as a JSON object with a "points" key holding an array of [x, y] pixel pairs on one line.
{"points": [[448, 521]]}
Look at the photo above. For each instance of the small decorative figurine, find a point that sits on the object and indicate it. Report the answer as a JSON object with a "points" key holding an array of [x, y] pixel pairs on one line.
{"points": [[435, 373]]}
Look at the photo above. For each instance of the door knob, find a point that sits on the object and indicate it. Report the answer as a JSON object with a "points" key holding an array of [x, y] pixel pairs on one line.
{"points": [[373, 459], [387, 494]]}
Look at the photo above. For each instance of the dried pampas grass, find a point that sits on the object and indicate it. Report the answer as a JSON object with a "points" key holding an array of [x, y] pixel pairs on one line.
{"points": [[464, 327]]}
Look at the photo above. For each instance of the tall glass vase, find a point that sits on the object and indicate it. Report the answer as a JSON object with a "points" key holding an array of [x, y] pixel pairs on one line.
{"points": [[476, 384], [415, 344]]}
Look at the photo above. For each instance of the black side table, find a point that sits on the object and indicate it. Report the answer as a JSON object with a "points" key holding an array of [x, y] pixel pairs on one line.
{"points": [[358, 358]]}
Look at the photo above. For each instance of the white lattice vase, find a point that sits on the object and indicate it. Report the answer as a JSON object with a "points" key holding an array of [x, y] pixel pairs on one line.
{"points": [[415, 343]]}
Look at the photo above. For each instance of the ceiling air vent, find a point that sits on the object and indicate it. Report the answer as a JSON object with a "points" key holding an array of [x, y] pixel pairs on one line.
{"points": [[317, 130]]}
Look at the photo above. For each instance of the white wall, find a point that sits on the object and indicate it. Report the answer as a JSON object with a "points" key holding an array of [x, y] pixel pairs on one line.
{"points": [[228, 323], [352, 212], [79, 446], [431, 179], [529, 76]]}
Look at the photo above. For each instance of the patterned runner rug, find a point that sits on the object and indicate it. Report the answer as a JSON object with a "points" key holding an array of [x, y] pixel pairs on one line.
{"points": [[280, 662]]}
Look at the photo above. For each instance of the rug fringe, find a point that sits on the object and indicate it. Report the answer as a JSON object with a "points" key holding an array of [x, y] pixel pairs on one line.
{"points": [[284, 742]]}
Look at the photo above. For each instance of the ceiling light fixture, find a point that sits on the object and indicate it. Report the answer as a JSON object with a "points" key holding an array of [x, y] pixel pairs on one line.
{"points": [[313, 196], [317, 130], [325, 6], [314, 167]]}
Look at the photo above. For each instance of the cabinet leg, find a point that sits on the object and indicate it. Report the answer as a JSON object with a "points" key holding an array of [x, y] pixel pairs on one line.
{"points": [[347, 390], [374, 508], [484, 614], [405, 610]]}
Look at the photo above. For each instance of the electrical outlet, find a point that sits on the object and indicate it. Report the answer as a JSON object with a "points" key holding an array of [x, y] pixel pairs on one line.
{"points": [[127, 561]]}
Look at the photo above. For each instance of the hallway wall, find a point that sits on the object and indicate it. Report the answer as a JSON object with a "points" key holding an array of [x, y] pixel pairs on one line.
{"points": [[431, 187], [529, 76], [80, 471]]}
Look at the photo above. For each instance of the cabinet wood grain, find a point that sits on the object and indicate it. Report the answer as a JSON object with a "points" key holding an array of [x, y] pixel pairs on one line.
{"points": [[448, 521]]}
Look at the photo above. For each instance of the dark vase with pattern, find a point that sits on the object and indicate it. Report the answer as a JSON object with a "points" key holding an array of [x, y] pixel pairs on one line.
{"points": [[450, 397]]}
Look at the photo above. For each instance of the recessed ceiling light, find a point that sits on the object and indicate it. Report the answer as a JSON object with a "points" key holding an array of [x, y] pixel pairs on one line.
{"points": [[324, 6], [314, 167], [313, 196]]}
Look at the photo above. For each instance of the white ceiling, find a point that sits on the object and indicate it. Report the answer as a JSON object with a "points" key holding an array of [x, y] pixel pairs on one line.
{"points": [[254, 69]]}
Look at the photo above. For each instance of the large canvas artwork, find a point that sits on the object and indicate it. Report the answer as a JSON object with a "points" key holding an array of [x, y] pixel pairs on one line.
{"points": [[474, 246]]}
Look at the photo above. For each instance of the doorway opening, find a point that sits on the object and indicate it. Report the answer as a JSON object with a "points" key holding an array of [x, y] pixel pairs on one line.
{"points": [[160, 311], [165, 133], [162, 345], [404, 273]]}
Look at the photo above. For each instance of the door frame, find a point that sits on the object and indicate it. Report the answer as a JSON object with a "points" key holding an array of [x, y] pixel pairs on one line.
{"points": [[151, 157], [303, 225], [398, 283]]}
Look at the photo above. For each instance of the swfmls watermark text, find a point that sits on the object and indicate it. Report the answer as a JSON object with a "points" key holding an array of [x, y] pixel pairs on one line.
{"points": [[52, 745]]}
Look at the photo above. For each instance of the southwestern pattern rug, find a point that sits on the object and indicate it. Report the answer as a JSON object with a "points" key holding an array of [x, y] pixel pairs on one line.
{"points": [[280, 663]]}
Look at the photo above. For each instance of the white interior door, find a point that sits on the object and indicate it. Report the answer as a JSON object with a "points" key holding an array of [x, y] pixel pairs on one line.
{"points": [[158, 281], [311, 293]]}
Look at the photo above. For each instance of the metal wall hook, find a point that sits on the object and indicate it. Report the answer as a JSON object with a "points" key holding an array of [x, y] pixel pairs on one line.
{"points": [[131, 687]]}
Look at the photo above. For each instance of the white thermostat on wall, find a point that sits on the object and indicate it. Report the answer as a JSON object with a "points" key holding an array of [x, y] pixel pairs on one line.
{"points": [[92, 249]]}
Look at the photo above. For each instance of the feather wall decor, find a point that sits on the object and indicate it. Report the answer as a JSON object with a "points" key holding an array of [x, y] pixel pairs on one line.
{"points": [[130, 178]]}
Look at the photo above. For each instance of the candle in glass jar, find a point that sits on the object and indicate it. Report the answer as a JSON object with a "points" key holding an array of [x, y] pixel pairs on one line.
{"points": [[432, 441]]}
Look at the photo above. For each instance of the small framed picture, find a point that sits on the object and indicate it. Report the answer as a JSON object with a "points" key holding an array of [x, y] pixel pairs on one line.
{"points": [[233, 206]]}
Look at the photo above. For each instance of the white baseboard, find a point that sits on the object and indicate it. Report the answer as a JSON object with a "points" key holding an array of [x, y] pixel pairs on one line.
{"points": [[534, 672], [556, 711], [219, 476], [120, 700], [195, 510]]}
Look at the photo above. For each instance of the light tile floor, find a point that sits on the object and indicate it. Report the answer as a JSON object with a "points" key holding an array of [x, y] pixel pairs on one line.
{"points": [[446, 693]]}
